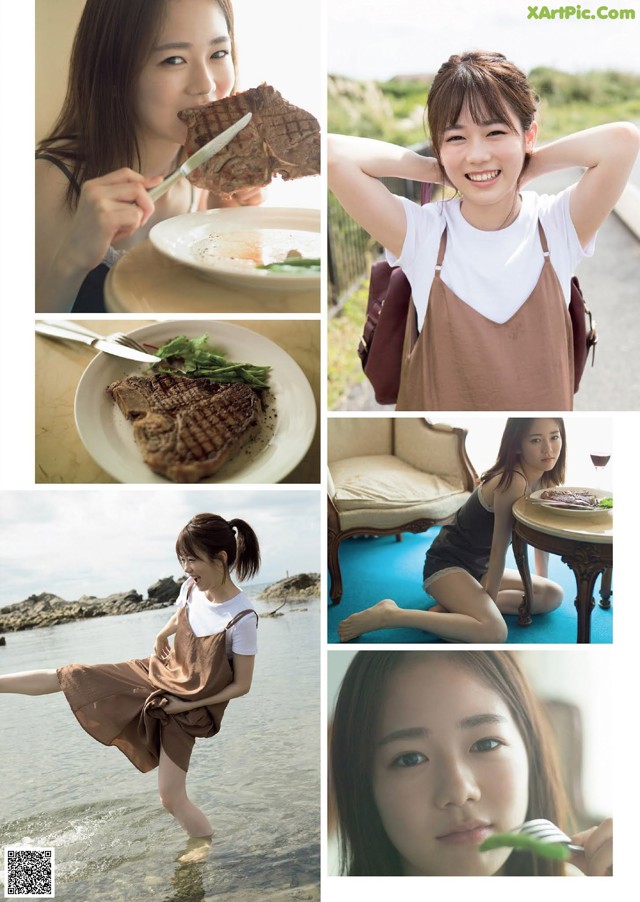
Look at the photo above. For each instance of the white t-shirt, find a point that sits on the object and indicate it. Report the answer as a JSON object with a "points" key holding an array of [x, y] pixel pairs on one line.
{"points": [[207, 618], [493, 272]]}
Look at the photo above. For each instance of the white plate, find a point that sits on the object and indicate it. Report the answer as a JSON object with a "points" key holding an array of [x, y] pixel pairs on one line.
{"points": [[108, 435], [183, 239], [572, 511]]}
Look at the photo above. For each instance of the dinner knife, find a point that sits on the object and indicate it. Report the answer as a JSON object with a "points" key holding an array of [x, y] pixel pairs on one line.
{"points": [[100, 344], [200, 156]]}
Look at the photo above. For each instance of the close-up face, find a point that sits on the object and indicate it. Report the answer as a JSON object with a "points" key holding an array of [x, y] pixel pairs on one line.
{"points": [[484, 161], [450, 769], [542, 444], [207, 573], [189, 65]]}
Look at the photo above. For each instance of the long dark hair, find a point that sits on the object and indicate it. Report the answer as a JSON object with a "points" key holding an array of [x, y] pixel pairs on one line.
{"points": [[364, 845], [508, 458], [211, 534], [95, 132], [493, 89]]}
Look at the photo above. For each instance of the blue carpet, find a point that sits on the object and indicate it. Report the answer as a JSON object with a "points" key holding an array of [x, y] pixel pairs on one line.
{"points": [[376, 568]]}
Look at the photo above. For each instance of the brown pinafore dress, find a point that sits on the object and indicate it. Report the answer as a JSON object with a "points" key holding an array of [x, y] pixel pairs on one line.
{"points": [[463, 361], [122, 704]]}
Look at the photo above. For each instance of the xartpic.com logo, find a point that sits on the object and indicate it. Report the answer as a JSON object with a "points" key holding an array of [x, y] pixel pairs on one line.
{"points": [[578, 12]]}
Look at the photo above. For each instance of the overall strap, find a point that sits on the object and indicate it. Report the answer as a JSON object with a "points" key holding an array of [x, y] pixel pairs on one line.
{"points": [[441, 250], [62, 167], [240, 616], [543, 240]]}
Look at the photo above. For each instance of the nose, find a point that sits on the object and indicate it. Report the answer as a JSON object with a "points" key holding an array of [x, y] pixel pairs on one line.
{"points": [[456, 784], [477, 150], [202, 81]]}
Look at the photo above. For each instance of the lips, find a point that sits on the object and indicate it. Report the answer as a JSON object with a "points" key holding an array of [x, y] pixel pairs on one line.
{"points": [[488, 175], [469, 833]]}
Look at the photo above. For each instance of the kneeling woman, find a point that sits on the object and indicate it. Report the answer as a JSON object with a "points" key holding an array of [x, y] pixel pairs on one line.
{"points": [[464, 569], [154, 709]]}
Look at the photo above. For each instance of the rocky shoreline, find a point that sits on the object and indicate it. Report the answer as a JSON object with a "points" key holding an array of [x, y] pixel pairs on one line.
{"points": [[47, 609]]}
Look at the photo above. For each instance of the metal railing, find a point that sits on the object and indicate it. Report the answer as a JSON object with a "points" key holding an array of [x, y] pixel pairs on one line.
{"points": [[351, 251]]}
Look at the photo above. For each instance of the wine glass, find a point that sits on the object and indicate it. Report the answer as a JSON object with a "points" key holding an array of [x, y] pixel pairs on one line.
{"points": [[600, 459]]}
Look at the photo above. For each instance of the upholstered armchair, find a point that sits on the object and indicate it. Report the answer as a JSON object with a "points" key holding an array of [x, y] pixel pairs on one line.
{"points": [[389, 475]]}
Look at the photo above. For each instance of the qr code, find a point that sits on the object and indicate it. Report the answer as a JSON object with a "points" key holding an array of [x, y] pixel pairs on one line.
{"points": [[29, 873]]}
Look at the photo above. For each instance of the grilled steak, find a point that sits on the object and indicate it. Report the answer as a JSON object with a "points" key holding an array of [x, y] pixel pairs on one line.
{"points": [[187, 428], [582, 499], [281, 139]]}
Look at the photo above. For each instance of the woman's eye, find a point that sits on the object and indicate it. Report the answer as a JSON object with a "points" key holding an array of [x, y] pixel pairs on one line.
{"points": [[409, 759], [219, 54], [486, 745], [173, 61]]}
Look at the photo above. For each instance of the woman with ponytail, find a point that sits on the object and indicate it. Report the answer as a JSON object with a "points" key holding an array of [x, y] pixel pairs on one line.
{"points": [[153, 709]]}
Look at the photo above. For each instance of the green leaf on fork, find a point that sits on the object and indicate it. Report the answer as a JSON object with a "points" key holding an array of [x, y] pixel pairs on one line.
{"points": [[524, 843]]}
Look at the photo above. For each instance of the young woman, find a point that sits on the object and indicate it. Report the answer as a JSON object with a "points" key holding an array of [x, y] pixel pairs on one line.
{"points": [[433, 752], [154, 709], [491, 269], [134, 65], [464, 570]]}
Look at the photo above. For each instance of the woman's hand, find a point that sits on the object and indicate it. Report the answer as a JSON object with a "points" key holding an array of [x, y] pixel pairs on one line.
{"points": [[110, 208], [175, 705], [597, 858], [244, 197], [162, 648]]}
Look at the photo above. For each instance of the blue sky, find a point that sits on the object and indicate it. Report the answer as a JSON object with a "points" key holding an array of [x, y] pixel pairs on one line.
{"points": [[378, 39], [95, 542]]}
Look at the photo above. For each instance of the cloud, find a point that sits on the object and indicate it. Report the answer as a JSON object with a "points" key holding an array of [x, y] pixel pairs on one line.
{"points": [[73, 542]]}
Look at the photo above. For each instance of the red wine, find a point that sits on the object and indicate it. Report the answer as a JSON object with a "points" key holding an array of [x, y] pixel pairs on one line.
{"points": [[600, 460]]}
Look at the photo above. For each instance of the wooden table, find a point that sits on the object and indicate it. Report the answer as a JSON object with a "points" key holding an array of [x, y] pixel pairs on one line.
{"points": [[60, 455], [583, 541], [146, 281]]}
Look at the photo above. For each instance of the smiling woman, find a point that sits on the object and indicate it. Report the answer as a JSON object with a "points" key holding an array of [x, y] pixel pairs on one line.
{"points": [[134, 65], [491, 268]]}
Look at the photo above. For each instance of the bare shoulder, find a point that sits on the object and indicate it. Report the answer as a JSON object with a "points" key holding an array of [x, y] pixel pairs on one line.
{"points": [[51, 188], [505, 495]]}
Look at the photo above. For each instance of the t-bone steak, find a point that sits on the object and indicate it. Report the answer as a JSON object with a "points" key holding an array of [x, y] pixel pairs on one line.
{"points": [[281, 139], [187, 428]]}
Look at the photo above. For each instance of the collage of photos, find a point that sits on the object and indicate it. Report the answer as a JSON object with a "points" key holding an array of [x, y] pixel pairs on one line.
{"points": [[322, 391]]}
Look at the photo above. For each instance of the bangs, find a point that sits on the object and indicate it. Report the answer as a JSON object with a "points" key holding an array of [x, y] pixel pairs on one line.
{"points": [[481, 94], [186, 547]]}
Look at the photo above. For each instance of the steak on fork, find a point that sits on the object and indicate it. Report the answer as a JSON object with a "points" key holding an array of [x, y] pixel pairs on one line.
{"points": [[281, 139]]}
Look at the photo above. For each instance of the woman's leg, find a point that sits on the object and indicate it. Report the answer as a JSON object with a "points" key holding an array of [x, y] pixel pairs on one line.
{"points": [[547, 595], [172, 785], [465, 614], [31, 682]]}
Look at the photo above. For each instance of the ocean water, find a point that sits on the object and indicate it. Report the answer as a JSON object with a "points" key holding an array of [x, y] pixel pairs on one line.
{"points": [[258, 781]]}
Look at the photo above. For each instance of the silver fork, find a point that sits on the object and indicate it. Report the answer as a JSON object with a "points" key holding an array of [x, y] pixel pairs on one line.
{"points": [[117, 337], [547, 832]]}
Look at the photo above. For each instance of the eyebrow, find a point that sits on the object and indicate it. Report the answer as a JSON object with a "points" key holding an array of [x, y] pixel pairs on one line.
{"points": [[185, 45], [474, 720], [486, 124]]}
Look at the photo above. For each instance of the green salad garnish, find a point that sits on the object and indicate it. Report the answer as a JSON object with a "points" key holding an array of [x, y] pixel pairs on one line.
{"points": [[524, 843], [194, 358], [294, 264], [606, 503]]}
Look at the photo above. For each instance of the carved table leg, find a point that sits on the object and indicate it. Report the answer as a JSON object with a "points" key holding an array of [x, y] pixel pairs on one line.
{"points": [[522, 560], [605, 589], [586, 571]]}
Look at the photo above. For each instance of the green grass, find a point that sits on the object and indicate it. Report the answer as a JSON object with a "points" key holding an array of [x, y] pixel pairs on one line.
{"points": [[343, 336]]}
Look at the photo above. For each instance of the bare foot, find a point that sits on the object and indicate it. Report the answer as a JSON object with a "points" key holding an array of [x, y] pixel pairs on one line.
{"points": [[374, 618]]}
